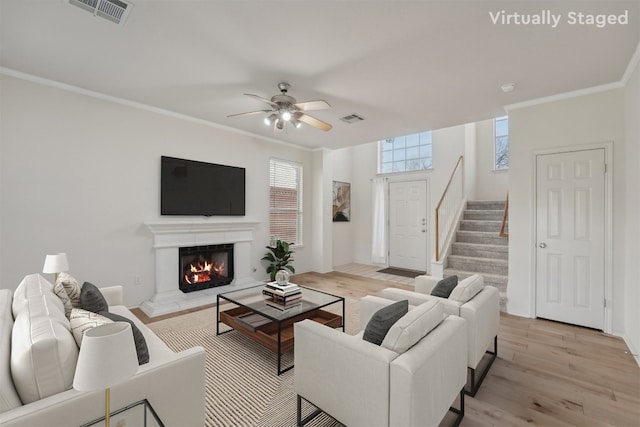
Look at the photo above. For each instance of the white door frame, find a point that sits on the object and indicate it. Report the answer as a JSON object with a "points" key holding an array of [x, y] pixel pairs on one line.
{"points": [[608, 224]]}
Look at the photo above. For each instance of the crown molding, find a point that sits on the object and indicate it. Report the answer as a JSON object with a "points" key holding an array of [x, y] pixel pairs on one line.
{"points": [[133, 104], [633, 63], [563, 96]]}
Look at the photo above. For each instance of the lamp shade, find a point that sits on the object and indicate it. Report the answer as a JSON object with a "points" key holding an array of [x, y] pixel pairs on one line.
{"points": [[107, 357], [55, 263]]}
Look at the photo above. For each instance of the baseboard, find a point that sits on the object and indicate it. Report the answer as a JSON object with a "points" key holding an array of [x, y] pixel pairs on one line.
{"points": [[632, 349]]}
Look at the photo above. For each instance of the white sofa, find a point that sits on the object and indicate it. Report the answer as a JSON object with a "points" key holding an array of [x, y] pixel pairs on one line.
{"points": [[474, 302], [172, 382], [362, 384]]}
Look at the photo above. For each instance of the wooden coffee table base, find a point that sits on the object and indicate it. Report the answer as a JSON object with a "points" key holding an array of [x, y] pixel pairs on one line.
{"points": [[276, 336]]}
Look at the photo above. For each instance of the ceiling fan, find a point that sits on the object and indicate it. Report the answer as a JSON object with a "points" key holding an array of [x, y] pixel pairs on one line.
{"points": [[285, 109]]}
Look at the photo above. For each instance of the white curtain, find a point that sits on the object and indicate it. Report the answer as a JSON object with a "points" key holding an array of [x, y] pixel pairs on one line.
{"points": [[379, 241]]}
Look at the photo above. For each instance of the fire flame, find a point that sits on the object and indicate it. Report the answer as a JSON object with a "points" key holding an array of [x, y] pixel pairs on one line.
{"points": [[203, 272]]}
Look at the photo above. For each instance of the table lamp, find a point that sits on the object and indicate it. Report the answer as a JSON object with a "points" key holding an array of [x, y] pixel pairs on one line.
{"points": [[55, 264], [107, 358]]}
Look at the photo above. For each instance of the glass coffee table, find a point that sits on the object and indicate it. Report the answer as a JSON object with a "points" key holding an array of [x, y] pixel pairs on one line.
{"points": [[271, 325]]}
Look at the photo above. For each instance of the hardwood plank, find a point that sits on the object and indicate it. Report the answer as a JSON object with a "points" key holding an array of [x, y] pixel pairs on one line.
{"points": [[546, 373]]}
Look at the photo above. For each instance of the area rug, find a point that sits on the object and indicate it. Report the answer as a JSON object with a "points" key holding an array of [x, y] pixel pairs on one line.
{"points": [[401, 272], [241, 385]]}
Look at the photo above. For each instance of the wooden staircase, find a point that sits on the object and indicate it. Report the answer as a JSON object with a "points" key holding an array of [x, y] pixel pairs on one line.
{"points": [[478, 247]]}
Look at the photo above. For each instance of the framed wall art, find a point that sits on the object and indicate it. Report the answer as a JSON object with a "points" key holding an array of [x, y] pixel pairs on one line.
{"points": [[341, 201]]}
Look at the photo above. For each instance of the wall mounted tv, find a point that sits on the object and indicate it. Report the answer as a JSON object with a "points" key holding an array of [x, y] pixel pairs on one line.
{"points": [[189, 187]]}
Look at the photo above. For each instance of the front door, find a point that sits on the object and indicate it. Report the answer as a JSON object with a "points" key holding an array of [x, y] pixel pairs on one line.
{"points": [[570, 270], [408, 225]]}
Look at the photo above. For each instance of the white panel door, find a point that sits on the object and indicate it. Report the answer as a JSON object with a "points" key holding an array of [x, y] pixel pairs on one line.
{"points": [[408, 225], [570, 273]]}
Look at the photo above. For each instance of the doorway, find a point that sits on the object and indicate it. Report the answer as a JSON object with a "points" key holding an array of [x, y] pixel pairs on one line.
{"points": [[571, 237], [408, 225]]}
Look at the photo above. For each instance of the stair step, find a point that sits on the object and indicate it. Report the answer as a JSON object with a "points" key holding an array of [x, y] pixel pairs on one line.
{"points": [[481, 237], [466, 225], [485, 205], [480, 250], [496, 280], [483, 215], [478, 247], [479, 265]]}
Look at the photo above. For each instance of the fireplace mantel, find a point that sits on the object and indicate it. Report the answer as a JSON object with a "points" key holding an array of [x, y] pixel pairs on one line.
{"points": [[171, 234], [180, 232]]}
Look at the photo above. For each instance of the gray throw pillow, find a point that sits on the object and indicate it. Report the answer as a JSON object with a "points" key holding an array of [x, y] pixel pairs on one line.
{"points": [[445, 286], [91, 298], [141, 344], [382, 320]]}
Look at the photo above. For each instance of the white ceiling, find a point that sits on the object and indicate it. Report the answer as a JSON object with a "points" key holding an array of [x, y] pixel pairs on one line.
{"points": [[405, 66]]}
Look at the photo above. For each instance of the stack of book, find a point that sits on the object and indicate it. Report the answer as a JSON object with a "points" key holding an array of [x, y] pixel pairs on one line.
{"points": [[284, 296]]}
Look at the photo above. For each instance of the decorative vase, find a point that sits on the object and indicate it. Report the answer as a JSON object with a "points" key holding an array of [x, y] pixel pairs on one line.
{"points": [[282, 277]]}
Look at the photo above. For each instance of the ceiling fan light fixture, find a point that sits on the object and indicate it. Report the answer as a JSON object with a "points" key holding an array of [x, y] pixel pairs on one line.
{"points": [[285, 108], [285, 115], [270, 119]]}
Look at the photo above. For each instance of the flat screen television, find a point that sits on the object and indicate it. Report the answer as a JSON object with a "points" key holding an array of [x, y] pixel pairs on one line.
{"points": [[190, 187]]}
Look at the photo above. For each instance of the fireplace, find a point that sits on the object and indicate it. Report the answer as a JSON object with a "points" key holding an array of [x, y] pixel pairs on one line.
{"points": [[203, 267], [169, 235]]}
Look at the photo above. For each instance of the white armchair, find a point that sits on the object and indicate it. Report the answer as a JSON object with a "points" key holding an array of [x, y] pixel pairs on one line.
{"points": [[474, 302], [362, 384]]}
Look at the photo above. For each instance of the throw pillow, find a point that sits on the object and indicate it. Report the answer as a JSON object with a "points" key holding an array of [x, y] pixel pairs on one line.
{"points": [[382, 320], [91, 298], [444, 287], [71, 286], [141, 343], [467, 288], [413, 326], [82, 320], [59, 290]]}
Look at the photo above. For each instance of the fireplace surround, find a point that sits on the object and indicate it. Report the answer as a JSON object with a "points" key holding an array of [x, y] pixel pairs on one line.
{"points": [[169, 235]]}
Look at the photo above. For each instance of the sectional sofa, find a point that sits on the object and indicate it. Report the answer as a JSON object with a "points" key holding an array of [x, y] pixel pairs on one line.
{"points": [[38, 354]]}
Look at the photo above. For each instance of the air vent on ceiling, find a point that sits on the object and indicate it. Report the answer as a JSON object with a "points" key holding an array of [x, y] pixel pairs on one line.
{"points": [[352, 118], [115, 11]]}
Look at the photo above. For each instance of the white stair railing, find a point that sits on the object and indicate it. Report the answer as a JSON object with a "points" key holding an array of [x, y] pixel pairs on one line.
{"points": [[449, 207]]}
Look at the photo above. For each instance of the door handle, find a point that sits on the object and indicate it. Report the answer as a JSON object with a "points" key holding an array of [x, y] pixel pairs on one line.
{"points": [[542, 245]]}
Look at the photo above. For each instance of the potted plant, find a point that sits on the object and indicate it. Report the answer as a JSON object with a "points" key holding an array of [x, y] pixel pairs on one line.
{"points": [[279, 257]]}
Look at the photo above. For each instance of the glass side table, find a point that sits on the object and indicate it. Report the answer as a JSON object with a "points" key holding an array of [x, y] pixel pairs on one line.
{"points": [[139, 414]]}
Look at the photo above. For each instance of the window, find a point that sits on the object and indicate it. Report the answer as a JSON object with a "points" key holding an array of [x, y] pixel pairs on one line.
{"points": [[406, 153], [285, 201], [501, 146]]}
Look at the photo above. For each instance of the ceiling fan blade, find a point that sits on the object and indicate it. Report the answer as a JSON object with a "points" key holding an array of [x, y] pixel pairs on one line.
{"points": [[312, 105], [249, 113], [314, 122], [259, 98]]}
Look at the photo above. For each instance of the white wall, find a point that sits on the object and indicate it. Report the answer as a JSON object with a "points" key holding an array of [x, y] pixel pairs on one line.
{"points": [[491, 184], [448, 145], [593, 118], [632, 296], [343, 232], [79, 175]]}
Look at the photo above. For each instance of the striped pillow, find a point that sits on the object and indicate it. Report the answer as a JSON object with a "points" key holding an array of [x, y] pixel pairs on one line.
{"points": [[82, 320], [71, 286], [58, 289]]}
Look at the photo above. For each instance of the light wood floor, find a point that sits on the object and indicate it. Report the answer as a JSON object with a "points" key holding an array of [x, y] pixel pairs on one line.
{"points": [[546, 373]]}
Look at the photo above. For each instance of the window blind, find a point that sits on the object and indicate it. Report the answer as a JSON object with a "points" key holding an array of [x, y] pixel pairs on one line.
{"points": [[285, 201]]}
